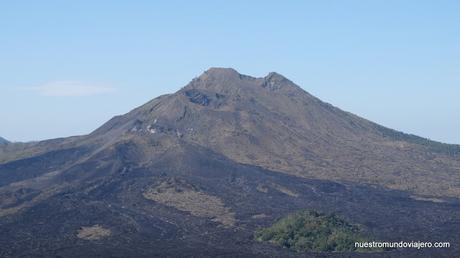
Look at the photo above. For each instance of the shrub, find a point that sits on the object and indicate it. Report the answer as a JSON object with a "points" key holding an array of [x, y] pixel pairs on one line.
{"points": [[313, 231]]}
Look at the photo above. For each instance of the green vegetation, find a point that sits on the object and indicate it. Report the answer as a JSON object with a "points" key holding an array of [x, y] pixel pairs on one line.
{"points": [[313, 231]]}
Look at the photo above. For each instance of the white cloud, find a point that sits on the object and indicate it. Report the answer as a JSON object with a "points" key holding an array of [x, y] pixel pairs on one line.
{"points": [[72, 89]]}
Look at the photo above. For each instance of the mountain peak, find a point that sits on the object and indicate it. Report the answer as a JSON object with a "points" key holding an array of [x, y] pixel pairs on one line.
{"points": [[230, 73], [220, 73], [228, 79], [275, 75], [220, 80], [275, 81], [221, 70]]}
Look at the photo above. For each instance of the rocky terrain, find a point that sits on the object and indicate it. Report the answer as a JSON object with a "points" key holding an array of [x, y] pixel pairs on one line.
{"points": [[197, 172]]}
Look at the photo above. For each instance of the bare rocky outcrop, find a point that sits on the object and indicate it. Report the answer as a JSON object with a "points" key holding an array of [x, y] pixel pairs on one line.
{"points": [[185, 197], [95, 232]]}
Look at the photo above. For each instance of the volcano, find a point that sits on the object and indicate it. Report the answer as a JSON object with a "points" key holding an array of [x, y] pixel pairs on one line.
{"points": [[197, 172]]}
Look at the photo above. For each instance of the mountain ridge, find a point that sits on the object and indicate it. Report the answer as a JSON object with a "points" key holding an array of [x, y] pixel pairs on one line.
{"points": [[232, 110], [282, 128]]}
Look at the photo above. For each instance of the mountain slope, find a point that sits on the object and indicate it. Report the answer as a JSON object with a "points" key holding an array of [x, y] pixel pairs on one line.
{"points": [[198, 171], [3, 141], [273, 123]]}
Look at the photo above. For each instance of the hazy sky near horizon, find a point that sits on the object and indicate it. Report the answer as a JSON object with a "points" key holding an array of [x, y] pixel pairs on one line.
{"points": [[69, 66]]}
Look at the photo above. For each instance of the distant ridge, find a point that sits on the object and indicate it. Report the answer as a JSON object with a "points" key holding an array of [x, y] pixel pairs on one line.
{"points": [[3, 141]]}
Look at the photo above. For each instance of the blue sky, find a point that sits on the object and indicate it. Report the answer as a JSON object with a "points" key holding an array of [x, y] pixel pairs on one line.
{"points": [[68, 66]]}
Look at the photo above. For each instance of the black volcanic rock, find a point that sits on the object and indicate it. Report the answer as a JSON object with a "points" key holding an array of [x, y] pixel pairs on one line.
{"points": [[197, 97], [196, 172]]}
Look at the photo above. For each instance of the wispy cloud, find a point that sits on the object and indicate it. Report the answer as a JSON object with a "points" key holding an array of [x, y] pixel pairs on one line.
{"points": [[72, 89]]}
